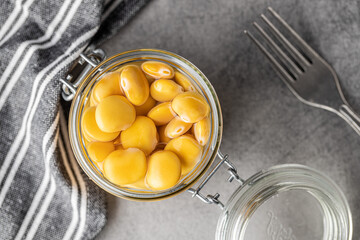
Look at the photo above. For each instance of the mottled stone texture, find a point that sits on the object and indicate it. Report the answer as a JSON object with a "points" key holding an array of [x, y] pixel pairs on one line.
{"points": [[264, 124]]}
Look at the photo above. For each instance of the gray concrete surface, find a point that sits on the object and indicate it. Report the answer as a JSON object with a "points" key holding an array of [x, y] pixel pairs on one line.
{"points": [[264, 124]]}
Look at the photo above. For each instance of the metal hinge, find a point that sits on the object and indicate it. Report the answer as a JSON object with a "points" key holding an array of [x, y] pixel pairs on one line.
{"points": [[85, 63], [215, 198]]}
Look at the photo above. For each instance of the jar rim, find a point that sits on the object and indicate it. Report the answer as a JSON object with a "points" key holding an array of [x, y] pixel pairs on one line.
{"points": [[76, 108], [264, 185]]}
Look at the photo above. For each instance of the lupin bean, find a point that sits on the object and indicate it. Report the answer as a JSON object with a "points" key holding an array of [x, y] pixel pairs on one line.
{"points": [[176, 127], [202, 131], [125, 166], [184, 82], [164, 170], [164, 90], [188, 150], [162, 114], [135, 85], [115, 113], [190, 106], [108, 85], [158, 70], [91, 128], [142, 134], [98, 151]]}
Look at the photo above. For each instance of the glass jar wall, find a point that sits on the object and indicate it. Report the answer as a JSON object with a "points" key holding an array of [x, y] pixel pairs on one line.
{"points": [[81, 99], [286, 202]]}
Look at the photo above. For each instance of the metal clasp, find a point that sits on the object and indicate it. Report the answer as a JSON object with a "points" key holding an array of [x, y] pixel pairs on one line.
{"points": [[215, 198], [85, 63]]}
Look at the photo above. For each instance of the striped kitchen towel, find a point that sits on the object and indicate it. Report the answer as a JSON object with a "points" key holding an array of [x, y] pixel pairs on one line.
{"points": [[43, 193]]}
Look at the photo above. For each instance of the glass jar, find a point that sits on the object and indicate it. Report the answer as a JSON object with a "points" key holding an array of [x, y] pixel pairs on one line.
{"points": [[81, 97], [284, 202]]}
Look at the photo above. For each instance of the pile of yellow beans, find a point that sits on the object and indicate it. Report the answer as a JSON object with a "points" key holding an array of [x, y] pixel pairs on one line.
{"points": [[145, 125]]}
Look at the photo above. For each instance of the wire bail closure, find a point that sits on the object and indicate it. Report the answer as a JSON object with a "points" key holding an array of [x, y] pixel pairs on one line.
{"points": [[209, 199], [85, 63]]}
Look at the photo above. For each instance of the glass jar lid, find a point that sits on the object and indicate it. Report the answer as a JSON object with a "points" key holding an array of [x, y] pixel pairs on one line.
{"points": [[286, 202]]}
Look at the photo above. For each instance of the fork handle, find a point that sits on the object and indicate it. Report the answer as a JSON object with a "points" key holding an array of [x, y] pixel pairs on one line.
{"points": [[350, 116]]}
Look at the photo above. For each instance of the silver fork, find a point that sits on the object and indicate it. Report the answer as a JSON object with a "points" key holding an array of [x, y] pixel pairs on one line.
{"points": [[312, 80]]}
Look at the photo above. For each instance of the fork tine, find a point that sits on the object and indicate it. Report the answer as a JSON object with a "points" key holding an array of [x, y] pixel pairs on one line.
{"points": [[295, 70], [282, 72], [302, 44], [289, 47]]}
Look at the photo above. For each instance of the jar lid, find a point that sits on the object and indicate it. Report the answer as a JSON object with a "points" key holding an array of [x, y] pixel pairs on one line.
{"points": [[286, 202]]}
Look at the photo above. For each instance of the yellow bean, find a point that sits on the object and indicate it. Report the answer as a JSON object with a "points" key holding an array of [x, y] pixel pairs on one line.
{"points": [[98, 151], [164, 90], [92, 130], [115, 113], [202, 131], [164, 170], [123, 167], [135, 85], [190, 106], [162, 137], [146, 107], [162, 114], [158, 69], [188, 150], [108, 85], [176, 127], [184, 82], [142, 135]]}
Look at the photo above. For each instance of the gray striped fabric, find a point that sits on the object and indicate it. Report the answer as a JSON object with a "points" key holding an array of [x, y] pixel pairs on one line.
{"points": [[43, 192]]}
